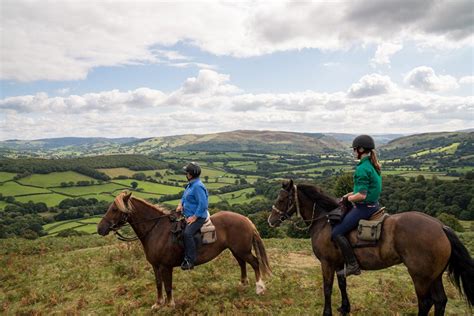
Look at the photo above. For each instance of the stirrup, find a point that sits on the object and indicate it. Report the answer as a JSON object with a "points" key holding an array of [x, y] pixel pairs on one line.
{"points": [[345, 272], [186, 265]]}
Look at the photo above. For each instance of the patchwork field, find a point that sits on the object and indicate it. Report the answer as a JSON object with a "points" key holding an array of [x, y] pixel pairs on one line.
{"points": [[5, 176], [54, 179], [11, 188], [151, 187]]}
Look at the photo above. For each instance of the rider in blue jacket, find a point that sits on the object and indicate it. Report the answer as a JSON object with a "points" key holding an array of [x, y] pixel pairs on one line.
{"points": [[194, 207]]}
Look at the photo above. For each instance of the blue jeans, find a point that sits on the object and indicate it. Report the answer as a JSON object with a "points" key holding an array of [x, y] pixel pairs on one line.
{"points": [[351, 220], [188, 237]]}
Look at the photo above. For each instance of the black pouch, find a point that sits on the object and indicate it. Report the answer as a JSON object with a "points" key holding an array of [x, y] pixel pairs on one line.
{"points": [[335, 216]]}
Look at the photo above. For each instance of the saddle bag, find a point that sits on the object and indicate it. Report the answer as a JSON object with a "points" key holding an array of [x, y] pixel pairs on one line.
{"points": [[370, 230]]}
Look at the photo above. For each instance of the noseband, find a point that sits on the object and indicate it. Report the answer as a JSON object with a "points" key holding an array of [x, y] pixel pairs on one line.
{"points": [[284, 215]]}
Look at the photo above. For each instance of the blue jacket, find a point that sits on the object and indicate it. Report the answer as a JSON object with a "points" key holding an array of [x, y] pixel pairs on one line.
{"points": [[195, 199]]}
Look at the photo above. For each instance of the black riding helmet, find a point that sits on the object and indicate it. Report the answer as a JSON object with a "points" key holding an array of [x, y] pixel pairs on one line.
{"points": [[193, 169], [364, 141]]}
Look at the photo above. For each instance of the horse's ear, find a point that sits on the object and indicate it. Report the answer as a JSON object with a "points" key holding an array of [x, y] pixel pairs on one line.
{"points": [[121, 201], [126, 197], [287, 184]]}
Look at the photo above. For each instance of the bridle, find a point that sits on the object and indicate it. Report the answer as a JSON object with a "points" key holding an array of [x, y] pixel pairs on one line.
{"points": [[124, 222], [284, 215]]}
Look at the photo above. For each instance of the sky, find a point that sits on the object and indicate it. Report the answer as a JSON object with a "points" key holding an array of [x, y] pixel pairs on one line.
{"points": [[150, 68]]}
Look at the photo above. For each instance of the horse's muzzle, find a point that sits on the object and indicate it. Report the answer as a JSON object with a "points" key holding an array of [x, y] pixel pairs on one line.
{"points": [[273, 224], [103, 228]]}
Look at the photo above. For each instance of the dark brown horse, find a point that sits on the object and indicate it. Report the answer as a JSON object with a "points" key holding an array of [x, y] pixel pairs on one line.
{"points": [[421, 242], [152, 226]]}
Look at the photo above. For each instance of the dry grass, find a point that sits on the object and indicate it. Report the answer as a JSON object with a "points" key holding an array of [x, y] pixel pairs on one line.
{"points": [[95, 276]]}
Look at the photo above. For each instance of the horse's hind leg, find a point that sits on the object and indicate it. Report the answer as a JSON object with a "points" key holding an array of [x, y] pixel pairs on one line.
{"points": [[423, 293], [438, 295], [244, 280], [345, 308], [253, 261]]}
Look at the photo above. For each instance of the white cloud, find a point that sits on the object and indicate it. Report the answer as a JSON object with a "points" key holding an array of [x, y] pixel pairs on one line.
{"points": [[425, 78], [64, 40], [209, 103], [384, 52], [371, 85], [467, 80]]}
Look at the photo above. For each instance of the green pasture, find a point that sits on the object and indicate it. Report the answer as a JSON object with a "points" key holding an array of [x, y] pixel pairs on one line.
{"points": [[236, 197], [109, 197], [91, 189], [2, 205], [51, 199], [243, 165], [450, 150], [5, 176], [214, 185], [115, 172], [54, 179], [146, 195], [150, 187], [93, 275], [11, 188], [211, 172]]}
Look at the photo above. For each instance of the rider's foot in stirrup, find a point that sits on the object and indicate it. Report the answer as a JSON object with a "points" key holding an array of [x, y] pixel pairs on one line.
{"points": [[349, 270], [186, 265]]}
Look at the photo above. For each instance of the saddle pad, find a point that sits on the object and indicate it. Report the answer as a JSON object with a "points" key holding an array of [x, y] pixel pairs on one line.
{"points": [[208, 226], [378, 215], [208, 232]]}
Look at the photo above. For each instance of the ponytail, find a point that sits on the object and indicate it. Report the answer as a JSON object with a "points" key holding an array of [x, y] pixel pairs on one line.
{"points": [[375, 161]]}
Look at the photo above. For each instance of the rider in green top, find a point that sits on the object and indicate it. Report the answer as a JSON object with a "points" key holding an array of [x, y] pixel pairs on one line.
{"points": [[365, 195]]}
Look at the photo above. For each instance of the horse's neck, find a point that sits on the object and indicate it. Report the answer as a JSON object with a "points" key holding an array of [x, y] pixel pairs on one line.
{"points": [[310, 210], [143, 217]]}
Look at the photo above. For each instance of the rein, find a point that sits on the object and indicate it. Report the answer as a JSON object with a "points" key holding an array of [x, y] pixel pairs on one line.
{"points": [[286, 214], [124, 222]]}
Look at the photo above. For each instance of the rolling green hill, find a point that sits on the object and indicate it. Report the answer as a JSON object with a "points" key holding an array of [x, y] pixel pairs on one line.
{"points": [[454, 143]]}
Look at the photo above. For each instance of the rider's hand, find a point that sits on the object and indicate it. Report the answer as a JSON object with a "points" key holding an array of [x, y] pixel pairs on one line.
{"points": [[179, 209], [191, 219]]}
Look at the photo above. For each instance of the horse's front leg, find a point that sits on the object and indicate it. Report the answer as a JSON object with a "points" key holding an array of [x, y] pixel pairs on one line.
{"points": [[328, 278], [345, 308], [167, 275], [159, 287]]}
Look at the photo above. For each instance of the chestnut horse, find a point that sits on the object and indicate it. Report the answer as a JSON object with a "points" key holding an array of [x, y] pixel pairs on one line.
{"points": [[419, 241], [152, 225]]}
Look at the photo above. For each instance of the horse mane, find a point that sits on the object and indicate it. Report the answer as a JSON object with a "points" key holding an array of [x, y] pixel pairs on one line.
{"points": [[156, 207], [120, 203], [319, 196]]}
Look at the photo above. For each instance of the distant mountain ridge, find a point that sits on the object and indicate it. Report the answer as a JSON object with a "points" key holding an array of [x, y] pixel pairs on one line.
{"points": [[390, 145]]}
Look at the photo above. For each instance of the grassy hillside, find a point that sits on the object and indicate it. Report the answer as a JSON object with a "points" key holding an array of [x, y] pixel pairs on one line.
{"points": [[94, 276], [422, 144]]}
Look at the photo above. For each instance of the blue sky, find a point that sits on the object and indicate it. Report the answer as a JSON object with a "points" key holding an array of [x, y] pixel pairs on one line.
{"points": [[131, 69]]}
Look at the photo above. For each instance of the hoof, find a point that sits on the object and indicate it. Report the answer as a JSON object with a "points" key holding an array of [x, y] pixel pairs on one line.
{"points": [[260, 287], [344, 310], [244, 282], [156, 306], [171, 303]]}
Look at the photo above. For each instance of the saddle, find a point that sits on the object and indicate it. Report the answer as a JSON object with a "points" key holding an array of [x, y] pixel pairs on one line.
{"points": [[206, 235], [368, 231]]}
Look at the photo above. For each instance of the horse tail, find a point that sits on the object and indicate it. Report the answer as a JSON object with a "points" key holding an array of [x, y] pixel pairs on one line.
{"points": [[461, 266], [261, 254]]}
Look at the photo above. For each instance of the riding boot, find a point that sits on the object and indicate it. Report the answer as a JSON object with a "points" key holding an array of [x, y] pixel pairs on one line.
{"points": [[351, 266]]}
